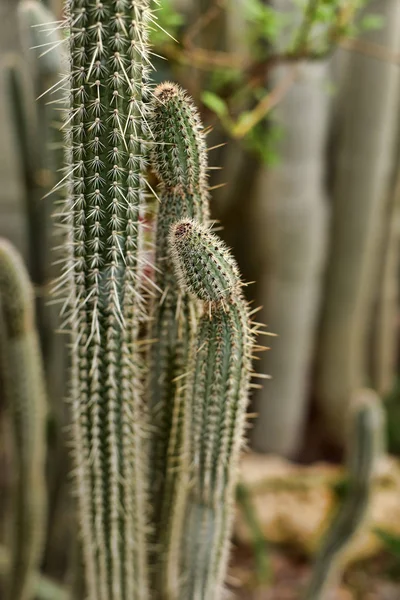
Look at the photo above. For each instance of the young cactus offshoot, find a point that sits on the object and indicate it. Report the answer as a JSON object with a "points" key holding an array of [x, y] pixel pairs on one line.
{"points": [[217, 394], [179, 159]]}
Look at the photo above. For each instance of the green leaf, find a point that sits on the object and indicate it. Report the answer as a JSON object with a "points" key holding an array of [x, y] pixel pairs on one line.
{"points": [[372, 22], [215, 103], [391, 541]]}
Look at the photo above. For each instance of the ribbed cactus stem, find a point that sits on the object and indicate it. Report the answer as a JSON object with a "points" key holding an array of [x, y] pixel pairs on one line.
{"points": [[107, 127], [180, 161], [365, 448], [24, 391], [179, 154], [217, 394]]}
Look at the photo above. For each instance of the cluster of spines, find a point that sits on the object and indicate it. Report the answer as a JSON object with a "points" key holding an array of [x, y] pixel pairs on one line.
{"points": [[365, 448], [106, 132], [180, 161], [217, 391], [24, 389]]}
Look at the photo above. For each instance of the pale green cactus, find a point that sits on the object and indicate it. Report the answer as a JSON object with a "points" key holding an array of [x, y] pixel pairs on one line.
{"points": [[110, 126], [217, 391], [24, 392], [365, 448], [106, 132], [179, 155], [180, 161]]}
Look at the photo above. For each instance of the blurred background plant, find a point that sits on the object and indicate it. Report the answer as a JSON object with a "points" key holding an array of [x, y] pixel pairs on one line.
{"points": [[301, 98]]}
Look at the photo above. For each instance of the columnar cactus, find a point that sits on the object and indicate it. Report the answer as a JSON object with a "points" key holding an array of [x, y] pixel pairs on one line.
{"points": [[217, 395], [110, 125], [179, 159], [24, 391], [365, 448], [107, 128], [365, 151]]}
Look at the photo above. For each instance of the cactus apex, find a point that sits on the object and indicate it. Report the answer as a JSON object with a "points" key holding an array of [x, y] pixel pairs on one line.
{"points": [[203, 263], [179, 155]]}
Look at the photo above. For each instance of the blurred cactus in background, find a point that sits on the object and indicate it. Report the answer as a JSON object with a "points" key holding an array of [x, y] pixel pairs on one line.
{"points": [[290, 221], [179, 159], [364, 170], [23, 387], [365, 447]]}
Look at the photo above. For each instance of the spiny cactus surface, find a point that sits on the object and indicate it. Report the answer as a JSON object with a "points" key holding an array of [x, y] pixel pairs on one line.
{"points": [[179, 159], [179, 155], [24, 391], [217, 395], [107, 128]]}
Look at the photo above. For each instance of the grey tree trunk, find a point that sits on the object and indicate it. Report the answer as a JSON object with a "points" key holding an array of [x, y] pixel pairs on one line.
{"points": [[291, 217], [365, 137]]}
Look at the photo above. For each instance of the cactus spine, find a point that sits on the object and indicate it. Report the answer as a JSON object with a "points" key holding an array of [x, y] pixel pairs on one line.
{"points": [[24, 391], [217, 394], [365, 447], [107, 129], [179, 160]]}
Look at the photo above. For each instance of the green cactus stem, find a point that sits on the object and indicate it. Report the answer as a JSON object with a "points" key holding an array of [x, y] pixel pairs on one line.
{"points": [[179, 155], [365, 448], [179, 159], [44, 588], [217, 394], [106, 134], [24, 391]]}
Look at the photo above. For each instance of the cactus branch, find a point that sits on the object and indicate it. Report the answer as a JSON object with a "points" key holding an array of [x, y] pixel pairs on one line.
{"points": [[365, 447], [217, 394], [179, 159], [24, 390]]}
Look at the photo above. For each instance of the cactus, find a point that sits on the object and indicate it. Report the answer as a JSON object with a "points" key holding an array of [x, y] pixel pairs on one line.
{"points": [[27, 75], [179, 160], [24, 392], [106, 135], [291, 225], [384, 340], [217, 394], [109, 126], [44, 589], [365, 448]]}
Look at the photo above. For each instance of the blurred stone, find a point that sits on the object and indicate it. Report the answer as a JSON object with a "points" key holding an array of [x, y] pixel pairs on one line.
{"points": [[295, 504]]}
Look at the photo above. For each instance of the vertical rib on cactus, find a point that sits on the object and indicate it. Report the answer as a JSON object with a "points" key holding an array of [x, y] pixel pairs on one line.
{"points": [[217, 392], [24, 391], [365, 447], [107, 126], [179, 159], [179, 154]]}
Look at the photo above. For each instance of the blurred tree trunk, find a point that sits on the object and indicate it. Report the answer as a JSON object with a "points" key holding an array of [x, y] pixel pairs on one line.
{"points": [[365, 143], [291, 217]]}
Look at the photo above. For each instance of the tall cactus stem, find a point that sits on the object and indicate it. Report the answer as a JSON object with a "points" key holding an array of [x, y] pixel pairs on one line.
{"points": [[365, 448], [24, 391], [180, 161], [106, 134], [217, 394]]}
